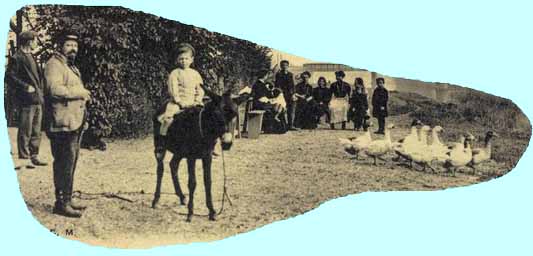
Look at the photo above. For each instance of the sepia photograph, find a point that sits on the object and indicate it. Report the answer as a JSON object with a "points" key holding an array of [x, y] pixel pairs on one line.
{"points": [[131, 130]]}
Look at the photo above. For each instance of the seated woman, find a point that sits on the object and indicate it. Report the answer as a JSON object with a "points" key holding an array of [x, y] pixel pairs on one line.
{"points": [[306, 106], [263, 98], [322, 96], [261, 94]]}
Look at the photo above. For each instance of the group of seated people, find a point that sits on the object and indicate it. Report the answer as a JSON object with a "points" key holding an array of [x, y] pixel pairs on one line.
{"points": [[290, 106]]}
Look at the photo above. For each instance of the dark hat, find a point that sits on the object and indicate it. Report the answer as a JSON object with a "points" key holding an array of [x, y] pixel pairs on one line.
{"points": [[340, 73], [380, 78], [185, 47], [27, 36], [67, 36], [305, 73], [284, 61]]}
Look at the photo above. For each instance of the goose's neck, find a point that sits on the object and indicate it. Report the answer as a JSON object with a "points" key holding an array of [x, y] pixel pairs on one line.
{"points": [[467, 146], [488, 142], [424, 138], [436, 139], [488, 146], [413, 130]]}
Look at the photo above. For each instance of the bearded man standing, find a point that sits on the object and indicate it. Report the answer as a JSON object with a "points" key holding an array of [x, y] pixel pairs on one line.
{"points": [[65, 101]]}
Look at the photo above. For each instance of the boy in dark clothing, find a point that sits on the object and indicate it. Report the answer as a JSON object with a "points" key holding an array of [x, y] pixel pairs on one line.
{"points": [[285, 81], [379, 104], [358, 106]]}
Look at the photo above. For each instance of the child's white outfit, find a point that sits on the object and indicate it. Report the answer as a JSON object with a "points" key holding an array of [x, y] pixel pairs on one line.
{"points": [[279, 100], [185, 92]]}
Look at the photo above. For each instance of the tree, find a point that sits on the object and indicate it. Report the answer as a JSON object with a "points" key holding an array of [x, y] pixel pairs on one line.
{"points": [[125, 58]]}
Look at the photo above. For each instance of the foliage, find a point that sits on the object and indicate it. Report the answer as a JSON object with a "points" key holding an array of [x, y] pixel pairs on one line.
{"points": [[471, 111], [125, 58], [467, 106]]}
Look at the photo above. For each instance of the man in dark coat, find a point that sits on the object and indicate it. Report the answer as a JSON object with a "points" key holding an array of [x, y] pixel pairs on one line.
{"points": [[379, 104], [27, 77], [285, 81], [65, 101]]}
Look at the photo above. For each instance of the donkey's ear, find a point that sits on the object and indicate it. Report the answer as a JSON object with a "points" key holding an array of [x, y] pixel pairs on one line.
{"points": [[214, 97]]}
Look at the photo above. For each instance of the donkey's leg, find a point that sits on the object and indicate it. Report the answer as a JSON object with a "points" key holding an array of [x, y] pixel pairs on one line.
{"points": [[192, 186], [206, 164], [174, 166], [159, 156]]}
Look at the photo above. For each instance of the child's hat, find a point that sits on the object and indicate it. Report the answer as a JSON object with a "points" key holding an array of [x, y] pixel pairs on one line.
{"points": [[183, 47]]}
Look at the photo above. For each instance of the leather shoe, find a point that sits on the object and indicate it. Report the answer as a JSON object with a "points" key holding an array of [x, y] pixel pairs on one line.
{"points": [[66, 210], [38, 162]]}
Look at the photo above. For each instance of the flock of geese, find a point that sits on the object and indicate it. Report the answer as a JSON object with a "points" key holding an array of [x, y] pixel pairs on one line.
{"points": [[423, 147]]}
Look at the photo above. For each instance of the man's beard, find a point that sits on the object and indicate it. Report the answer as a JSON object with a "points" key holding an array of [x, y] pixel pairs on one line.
{"points": [[71, 58]]}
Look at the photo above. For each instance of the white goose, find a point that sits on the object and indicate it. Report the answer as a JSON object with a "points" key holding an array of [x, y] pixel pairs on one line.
{"points": [[483, 154], [460, 156], [422, 154], [408, 144], [378, 148], [438, 149], [354, 146]]}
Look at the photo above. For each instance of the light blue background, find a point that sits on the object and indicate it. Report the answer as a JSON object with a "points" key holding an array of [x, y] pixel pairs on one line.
{"points": [[486, 45]]}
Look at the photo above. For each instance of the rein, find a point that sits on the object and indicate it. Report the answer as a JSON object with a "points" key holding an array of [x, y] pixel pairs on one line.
{"points": [[224, 188], [200, 128]]}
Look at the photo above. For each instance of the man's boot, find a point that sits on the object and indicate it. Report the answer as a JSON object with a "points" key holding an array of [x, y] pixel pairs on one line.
{"points": [[344, 125], [62, 206]]}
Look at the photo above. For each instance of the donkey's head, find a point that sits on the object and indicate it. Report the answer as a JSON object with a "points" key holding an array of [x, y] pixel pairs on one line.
{"points": [[221, 113]]}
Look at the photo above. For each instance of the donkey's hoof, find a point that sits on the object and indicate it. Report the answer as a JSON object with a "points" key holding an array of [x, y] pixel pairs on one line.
{"points": [[189, 217], [183, 201], [212, 216], [154, 204]]}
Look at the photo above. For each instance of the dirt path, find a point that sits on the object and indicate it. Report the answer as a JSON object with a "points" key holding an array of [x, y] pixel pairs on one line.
{"points": [[273, 178]]}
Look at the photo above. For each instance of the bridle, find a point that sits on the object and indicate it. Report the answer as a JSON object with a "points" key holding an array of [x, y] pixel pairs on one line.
{"points": [[200, 126]]}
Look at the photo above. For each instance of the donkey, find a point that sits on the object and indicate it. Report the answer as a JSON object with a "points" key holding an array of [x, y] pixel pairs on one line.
{"points": [[193, 135]]}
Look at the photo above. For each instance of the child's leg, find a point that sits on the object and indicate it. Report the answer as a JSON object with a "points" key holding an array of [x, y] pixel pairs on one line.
{"points": [[277, 111], [167, 117]]}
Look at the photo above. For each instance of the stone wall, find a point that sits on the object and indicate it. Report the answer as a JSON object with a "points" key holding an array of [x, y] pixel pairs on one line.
{"points": [[436, 91]]}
